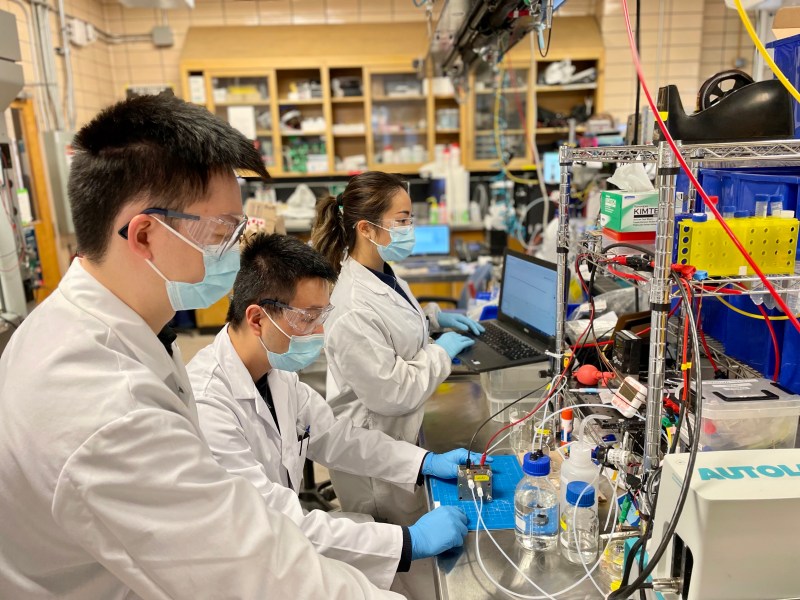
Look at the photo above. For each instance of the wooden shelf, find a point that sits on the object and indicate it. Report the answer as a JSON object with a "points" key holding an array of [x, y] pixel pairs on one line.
{"points": [[546, 130], [312, 102], [400, 133], [399, 167], [503, 132], [264, 132], [363, 134], [445, 97], [517, 90], [399, 98], [321, 133], [348, 100], [566, 88], [448, 131], [228, 103]]}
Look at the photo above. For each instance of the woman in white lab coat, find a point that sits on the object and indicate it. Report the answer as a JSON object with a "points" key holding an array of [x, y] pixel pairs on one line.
{"points": [[382, 364], [261, 421]]}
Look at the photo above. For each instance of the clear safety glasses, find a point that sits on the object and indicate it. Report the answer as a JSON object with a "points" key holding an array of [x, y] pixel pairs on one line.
{"points": [[213, 235], [302, 320], [400, 225]]}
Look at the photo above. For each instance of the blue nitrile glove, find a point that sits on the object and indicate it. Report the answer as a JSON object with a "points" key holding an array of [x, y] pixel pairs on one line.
{"points": [[445, 466], [458, 321], [454, 343], [439, 530]]}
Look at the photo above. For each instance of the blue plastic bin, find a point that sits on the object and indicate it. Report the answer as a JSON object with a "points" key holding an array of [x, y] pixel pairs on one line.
{"points": [[715, 319], [790, 360], [748, 339], [787, 57]]}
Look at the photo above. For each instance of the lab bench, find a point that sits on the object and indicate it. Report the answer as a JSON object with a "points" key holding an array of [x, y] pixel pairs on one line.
{"points": [[451, 417]]}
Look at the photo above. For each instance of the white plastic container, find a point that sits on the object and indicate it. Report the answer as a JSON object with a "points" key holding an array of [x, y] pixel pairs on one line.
{"points": [[579, 466], [504, 386], [748, 425]]}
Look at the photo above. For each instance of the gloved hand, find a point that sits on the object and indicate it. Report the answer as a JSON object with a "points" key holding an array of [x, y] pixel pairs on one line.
{"points": [[458, 321], [439, 530], [445, 466], [454, 343]]}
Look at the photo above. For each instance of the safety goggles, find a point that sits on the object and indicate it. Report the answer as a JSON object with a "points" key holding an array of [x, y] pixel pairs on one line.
{"points": [[400, 225], [212, 235], [302, 320]]}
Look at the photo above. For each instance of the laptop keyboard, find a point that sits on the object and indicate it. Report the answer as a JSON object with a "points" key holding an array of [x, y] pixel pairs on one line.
{"points": [[506, 344]]}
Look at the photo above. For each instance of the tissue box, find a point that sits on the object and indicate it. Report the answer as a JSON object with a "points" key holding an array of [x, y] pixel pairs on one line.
{"points": [[627, 212]]}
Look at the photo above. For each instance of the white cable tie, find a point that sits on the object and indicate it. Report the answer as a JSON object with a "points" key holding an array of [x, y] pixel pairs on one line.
{"points": [[554, 354]]}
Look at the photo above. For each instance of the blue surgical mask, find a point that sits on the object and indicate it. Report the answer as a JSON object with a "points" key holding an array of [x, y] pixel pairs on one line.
{"points": [[220, 273], [400, 247], [303, 350]]}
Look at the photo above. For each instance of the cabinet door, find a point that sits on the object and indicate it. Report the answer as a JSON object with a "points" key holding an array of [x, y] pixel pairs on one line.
{"points": [[398, 121], [245, 102], [500, 118]]}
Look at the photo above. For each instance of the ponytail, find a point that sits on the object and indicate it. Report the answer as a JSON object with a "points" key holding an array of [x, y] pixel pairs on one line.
{"points": [[367, 197], [328, 236]]}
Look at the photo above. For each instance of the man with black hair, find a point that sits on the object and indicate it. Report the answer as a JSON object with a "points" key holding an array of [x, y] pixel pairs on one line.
{"points": [[107, 487], [260, 421]]}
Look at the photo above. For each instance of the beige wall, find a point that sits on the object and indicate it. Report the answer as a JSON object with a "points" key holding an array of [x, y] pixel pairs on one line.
{"points": [[91, 65], [698, 38]]}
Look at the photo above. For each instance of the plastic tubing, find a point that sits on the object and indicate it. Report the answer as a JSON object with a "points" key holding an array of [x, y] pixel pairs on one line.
{"points": [[693, 179], [763, 51]]}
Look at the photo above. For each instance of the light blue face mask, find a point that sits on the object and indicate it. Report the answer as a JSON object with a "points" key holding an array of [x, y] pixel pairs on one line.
{"points": [[401, 246], [220, 274], [303, 350]]}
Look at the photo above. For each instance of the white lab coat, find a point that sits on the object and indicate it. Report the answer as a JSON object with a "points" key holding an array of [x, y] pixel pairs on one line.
{"points": [[242, 436], [382, 368], [107, 487]]}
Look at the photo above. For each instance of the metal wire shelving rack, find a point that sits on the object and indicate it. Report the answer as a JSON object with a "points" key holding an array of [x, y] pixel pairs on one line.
{"points": [[731, 155]]}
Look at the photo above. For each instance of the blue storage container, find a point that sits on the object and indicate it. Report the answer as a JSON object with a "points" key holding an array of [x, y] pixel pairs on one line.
{"points": [[748, 339], [790, 360], [787, 57], [714, 315]]}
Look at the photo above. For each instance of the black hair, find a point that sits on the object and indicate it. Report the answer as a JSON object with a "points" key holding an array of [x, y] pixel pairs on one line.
{"points": [[367, 197], [151, 147], [270, 268]]}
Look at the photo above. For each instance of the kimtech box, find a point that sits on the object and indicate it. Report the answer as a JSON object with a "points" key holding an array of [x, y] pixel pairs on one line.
{"points": [[627, 212]]}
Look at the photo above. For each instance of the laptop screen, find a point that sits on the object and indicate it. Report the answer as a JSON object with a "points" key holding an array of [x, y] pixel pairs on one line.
{"points": [[528, 293], [431, 240]]}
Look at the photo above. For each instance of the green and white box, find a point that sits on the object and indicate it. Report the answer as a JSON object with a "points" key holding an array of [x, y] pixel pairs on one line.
{"points": [[628, 212]]}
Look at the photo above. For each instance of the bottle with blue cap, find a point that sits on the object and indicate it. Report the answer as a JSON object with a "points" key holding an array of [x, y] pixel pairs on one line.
{"points": [[536, 505], [580, 525]]}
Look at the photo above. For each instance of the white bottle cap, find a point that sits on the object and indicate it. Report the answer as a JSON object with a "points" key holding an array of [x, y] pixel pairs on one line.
{"points": [[787, 214]]}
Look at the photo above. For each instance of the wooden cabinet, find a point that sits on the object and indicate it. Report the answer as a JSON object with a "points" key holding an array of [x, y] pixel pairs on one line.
{"points": [[294, 91]]}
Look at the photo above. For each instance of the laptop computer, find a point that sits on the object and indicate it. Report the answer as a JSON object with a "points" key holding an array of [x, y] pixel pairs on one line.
{"points": [[525, 327]]}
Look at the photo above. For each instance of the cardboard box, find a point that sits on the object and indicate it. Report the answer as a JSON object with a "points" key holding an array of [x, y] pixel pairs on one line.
{"points": [[786, 22], [627, 212]]}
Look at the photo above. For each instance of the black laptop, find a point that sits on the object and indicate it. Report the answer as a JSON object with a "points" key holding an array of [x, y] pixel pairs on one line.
{"points": [[525, 328]]}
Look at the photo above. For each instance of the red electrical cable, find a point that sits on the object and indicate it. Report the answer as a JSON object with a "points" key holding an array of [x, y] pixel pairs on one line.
{"points": [[632, 276], [684, 363], [592, 345], [777, 371], [707, 201]]}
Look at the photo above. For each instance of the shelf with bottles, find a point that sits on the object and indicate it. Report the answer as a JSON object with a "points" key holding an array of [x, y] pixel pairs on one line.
{"points": [[266, 147], [299, 86], [350, 154], [347, 85], [234, 91], [396, 87], [302, 121], [348, 119], [305, 155]]}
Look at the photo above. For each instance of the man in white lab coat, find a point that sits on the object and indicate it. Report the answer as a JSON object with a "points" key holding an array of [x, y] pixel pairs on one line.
{"points": [[261, 422], [107, 488]]}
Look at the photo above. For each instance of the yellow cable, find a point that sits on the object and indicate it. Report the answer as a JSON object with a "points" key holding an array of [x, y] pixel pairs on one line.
{"points": [[751, 315], [763, 51]]}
